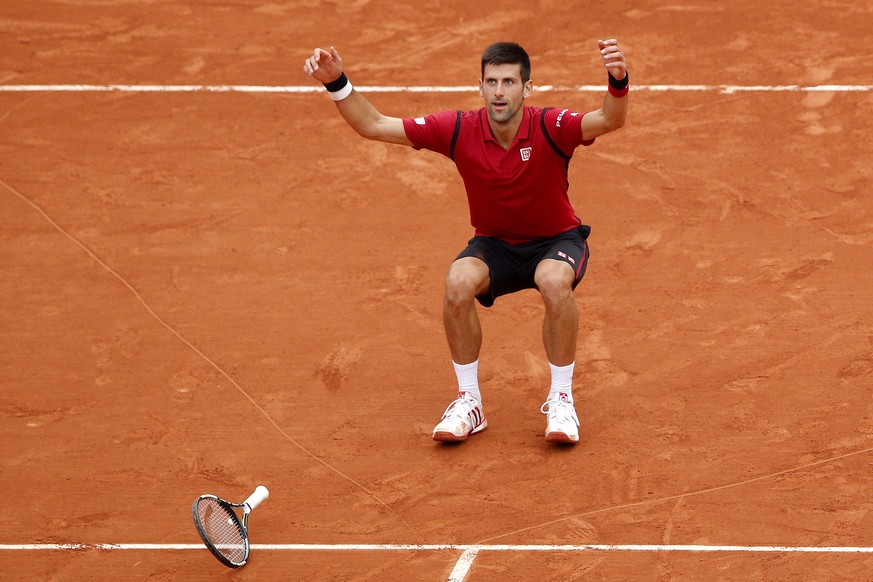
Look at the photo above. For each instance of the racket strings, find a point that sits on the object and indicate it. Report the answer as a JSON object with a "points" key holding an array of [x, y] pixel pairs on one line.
{"points": [[223, 529]]}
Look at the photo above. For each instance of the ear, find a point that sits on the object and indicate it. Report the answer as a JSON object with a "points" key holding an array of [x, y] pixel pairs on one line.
{"points": [[528, 88], [481, 91]]}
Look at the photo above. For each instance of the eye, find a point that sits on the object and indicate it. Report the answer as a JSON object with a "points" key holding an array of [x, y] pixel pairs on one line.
{"points": [[508, 82]]}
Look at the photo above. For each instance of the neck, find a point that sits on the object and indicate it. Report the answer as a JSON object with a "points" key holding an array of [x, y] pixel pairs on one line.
{"points": [[506, 131]]}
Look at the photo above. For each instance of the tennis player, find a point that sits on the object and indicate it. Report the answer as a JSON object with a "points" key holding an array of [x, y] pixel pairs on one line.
{"points": [[514, 161]]}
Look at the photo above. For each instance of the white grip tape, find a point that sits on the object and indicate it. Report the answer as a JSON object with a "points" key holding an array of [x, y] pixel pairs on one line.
{"points": [[257, 497]]}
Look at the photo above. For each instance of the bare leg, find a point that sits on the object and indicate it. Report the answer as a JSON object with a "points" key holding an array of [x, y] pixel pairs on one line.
{"points": [[554, 280], [467, 278]]}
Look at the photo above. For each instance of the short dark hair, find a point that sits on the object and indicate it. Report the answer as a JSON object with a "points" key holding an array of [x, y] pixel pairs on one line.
{"points": [[507, 53]]}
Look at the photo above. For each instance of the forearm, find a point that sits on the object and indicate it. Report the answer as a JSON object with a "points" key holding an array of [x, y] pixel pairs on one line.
{"points": [[358, 112], [615, 103], [611, 115], [361, 116]]}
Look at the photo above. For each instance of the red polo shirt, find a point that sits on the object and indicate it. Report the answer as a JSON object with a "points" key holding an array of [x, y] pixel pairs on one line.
{"points": [[517, 194]]}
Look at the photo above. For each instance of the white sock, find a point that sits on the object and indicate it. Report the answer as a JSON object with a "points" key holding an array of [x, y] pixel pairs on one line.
{"points": [[468, 379], [562, 382]]}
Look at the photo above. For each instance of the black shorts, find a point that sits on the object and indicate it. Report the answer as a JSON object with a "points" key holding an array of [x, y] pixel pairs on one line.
{"points": [[512, 268]]}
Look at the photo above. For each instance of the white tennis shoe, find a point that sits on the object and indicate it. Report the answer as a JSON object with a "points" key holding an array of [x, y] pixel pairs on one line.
{"points": [[462, 418], [562, 424]]}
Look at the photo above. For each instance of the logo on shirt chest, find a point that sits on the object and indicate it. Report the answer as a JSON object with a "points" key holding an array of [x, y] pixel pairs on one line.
{"points": [[525, 154]]}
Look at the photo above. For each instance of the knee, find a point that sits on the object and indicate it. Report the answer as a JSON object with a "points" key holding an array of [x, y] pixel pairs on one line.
{"points": [[555, 284], [463, 284]]}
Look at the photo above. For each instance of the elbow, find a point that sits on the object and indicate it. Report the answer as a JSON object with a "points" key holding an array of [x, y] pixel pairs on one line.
{"points": [[365, 132], [371, 130], [616, 122], [618, 117]]}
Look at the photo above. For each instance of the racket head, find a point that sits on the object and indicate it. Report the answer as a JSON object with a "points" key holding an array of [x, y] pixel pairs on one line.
{"points": [[221, 530]]}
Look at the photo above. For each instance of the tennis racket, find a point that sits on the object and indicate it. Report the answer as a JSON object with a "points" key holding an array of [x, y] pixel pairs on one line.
{"points": [[218, 523]]}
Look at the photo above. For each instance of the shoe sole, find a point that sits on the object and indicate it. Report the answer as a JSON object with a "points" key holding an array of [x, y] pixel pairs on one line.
{"points": [[561, 437], [450, 437]]}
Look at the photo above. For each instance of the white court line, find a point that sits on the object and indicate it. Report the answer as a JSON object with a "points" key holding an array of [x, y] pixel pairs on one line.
{"points": [[463, 565], [726, 89], [465, 562], [457, 547]]}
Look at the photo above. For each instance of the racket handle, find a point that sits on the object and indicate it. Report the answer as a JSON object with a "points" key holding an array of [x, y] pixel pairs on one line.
{"points": [[257, 497]]}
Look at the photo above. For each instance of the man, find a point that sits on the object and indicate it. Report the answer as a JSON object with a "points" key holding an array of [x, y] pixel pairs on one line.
{"points": [[514, 161]]}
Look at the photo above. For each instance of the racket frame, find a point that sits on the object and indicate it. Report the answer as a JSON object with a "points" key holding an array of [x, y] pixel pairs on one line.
{"points": [[255, 499], [242, 525]]}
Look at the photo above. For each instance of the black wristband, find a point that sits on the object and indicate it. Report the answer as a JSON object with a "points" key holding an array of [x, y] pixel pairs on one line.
{"points": [[619, 85], [335, 86]]}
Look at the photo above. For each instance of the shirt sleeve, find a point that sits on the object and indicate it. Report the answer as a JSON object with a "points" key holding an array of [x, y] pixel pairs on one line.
{"points": [[433, 132], [565, 129]]}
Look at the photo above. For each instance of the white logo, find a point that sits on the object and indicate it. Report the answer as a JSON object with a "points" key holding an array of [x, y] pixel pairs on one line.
{"points": [[525, 154], [419, 120], [560, 116]]}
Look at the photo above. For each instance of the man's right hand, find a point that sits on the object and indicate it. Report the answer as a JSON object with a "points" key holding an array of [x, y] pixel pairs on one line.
{"points": [[327, 66], [324, 65]]}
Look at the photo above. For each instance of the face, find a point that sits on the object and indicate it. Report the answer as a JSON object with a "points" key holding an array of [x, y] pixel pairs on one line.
{"points": [[503, 91]]}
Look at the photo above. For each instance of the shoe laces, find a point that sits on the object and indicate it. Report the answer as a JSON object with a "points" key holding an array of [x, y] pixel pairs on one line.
{"points": [[559, 411], [462, 406]]}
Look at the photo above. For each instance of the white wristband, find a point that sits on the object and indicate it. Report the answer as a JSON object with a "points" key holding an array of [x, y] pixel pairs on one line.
{"points": [[340, 88], [342, 93]]}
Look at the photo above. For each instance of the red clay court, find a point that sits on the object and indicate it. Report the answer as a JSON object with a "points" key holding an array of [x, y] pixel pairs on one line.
{"points": [[210, 282]]}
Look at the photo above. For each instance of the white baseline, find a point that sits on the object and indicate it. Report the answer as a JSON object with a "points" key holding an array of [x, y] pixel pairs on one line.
{"points": [[726, 89], [472, 548]]}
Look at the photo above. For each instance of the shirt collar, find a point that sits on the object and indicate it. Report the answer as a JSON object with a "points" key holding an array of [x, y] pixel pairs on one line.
{"points": [[523, 129]]}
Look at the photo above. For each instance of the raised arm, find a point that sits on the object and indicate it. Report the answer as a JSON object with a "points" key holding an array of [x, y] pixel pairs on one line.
{"points": [[327, 66], [612, 113]]}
